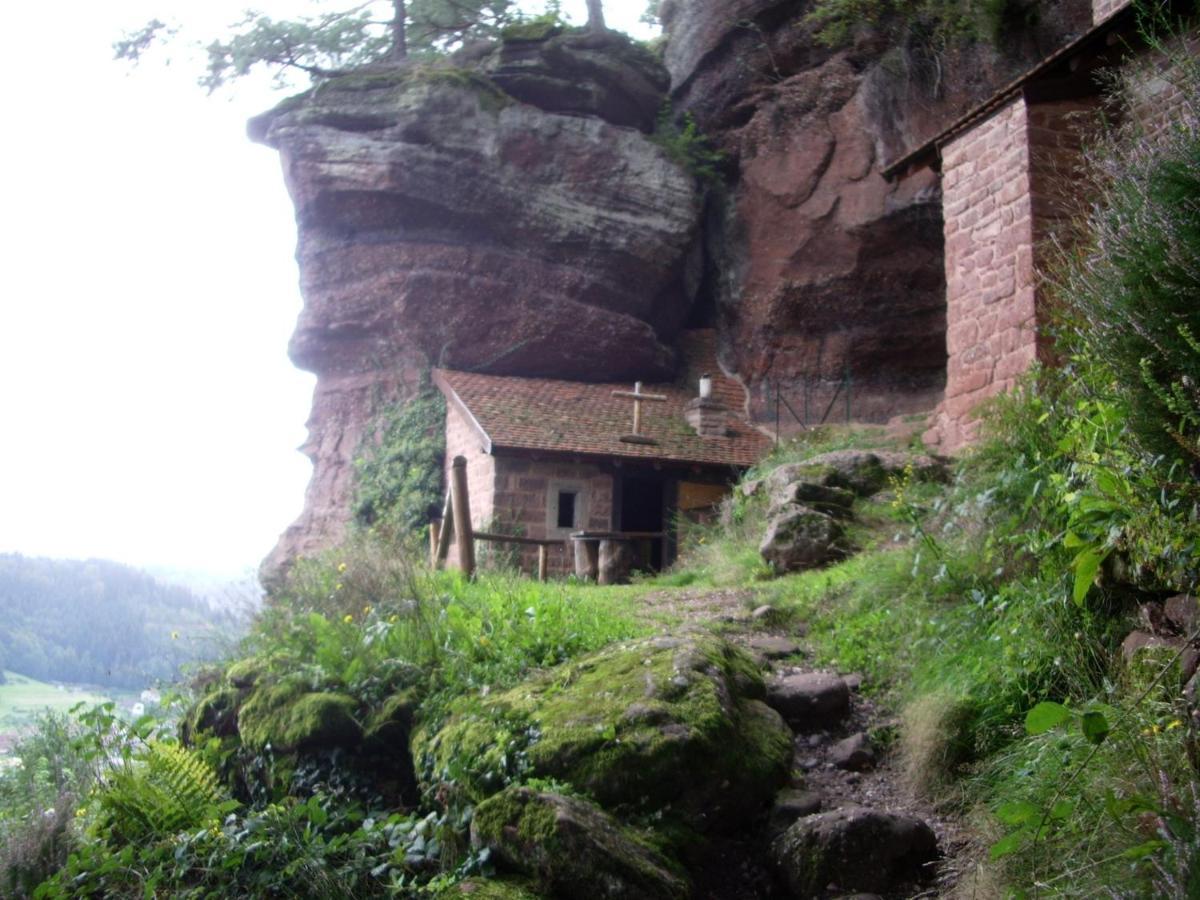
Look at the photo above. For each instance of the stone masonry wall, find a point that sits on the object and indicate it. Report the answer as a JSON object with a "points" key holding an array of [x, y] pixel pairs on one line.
{"points": [[1009, 184], [463, 440], [990, 295], [523, 504], [1155, 85], [1102, 9]]}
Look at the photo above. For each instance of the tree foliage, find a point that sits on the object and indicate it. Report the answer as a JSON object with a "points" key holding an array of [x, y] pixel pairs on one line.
{"points": [[332, 42], [99, 622]]}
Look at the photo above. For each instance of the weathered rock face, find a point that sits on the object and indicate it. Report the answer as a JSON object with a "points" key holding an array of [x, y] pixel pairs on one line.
{"points": [[442, 222], [818, 265]]}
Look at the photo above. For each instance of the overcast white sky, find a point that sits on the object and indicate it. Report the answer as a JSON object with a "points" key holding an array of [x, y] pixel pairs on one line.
{"points": [[147, 292]]}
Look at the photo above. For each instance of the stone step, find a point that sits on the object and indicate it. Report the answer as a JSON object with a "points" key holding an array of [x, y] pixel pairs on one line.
{"points": [[809, 699]]}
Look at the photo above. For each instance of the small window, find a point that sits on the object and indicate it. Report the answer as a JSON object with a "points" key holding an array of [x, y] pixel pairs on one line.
{"points": [[566, 509]]}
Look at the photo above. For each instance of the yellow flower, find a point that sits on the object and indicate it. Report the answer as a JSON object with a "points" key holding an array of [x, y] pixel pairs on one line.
{"points": [[348, 618], [367, 610], [338, 586], [174, 635], [341, 567], [484, 640], [81, 812], [393, 619], [1173, 724]]}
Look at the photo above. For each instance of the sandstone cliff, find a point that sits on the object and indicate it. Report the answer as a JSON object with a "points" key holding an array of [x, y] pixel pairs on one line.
{"points": [[818, 265], [512, 215], [443, 221]]}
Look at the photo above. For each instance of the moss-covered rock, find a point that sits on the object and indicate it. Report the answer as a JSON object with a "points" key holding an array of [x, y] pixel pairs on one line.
{"points": [[490, 889], [572, 847], [664, 723], [246, 673], [389, 727], [291, 718], [215, 713]]}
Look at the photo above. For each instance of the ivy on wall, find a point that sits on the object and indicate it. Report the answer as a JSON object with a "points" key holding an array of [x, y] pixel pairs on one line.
{"points": [[399, 464]]}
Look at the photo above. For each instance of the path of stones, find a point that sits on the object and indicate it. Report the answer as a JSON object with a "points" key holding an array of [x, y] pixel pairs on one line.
{"points": [[846, 804]]}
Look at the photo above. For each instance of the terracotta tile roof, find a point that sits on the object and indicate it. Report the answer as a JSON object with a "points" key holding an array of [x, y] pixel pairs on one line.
{"points": [[586, 419]]}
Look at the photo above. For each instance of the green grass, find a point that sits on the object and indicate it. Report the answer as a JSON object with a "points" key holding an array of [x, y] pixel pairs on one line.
{"points": [[22, 699]]}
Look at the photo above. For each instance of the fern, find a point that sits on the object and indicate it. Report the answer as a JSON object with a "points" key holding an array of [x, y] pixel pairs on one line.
{"points": [[166, 789]]}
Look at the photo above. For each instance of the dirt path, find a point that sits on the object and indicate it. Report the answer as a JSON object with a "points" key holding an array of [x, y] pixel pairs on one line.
{"points": [[736, 867]]}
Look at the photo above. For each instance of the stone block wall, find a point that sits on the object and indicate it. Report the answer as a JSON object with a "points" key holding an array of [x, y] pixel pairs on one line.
{"points": [[462, 439], [1010, 184], [1154, 92], [990, 294], [523, 504]]}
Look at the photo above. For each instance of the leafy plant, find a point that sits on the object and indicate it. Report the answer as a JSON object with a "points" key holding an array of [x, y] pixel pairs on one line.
{"points": [[167, 788], [399, 464], [686, 145]]}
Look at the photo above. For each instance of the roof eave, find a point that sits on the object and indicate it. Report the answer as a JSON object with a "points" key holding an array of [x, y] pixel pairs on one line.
{"points": [[929, 153], [456, 401]]}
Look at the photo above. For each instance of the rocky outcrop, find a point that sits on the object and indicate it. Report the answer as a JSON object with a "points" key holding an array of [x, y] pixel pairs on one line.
{"points": [[818, 265], [672, 725], [572, 847], [442, 221]]}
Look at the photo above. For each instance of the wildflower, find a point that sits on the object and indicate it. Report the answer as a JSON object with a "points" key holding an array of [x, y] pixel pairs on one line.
{"points": [[1173, 724], [338, 586], [174, 635], [348, 618], [484, 640], [367, 610], [81, 812], [341, 567], [393, 619]]}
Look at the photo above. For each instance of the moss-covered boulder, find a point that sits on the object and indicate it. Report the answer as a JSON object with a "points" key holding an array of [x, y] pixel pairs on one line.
{"points": [[290, 718], [663, 723], [489, 889], [214, 714], [573, 848]]}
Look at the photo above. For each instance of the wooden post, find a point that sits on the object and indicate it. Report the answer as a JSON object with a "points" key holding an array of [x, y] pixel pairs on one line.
{"points": [[542, 562], [435, 532], [461, 507], [447, 529]]}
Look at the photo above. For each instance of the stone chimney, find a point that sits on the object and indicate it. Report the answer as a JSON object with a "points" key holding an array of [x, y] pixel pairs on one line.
{"points": [[707, 416], [1102, 9]]}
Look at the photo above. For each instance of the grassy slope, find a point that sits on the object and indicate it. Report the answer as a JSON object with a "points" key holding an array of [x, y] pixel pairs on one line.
{"points": [[21, 699]]}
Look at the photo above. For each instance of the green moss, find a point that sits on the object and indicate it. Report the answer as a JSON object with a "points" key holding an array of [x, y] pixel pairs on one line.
{"points": [[214, 713], [288, 717], [491, 96], [490, 889], [659, 722], [245, 673], [538, 29], [571, 845], [390, 725]]}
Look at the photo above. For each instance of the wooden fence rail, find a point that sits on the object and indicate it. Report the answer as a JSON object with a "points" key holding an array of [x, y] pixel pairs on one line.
{"points": [[456, 518]]}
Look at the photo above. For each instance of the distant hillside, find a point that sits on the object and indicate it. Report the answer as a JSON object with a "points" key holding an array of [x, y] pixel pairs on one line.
{"points": [[99, 622]]}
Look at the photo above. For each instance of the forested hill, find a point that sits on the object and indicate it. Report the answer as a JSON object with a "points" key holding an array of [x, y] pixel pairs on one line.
{"points": [[99, 622]]}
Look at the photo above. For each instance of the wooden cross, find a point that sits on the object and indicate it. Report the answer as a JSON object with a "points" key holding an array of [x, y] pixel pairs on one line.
{"points": [[638, 398]]}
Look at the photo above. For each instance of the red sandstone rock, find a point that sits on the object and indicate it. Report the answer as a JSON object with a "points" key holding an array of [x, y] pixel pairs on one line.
{"points": [[823, 265], [443, 223]]}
